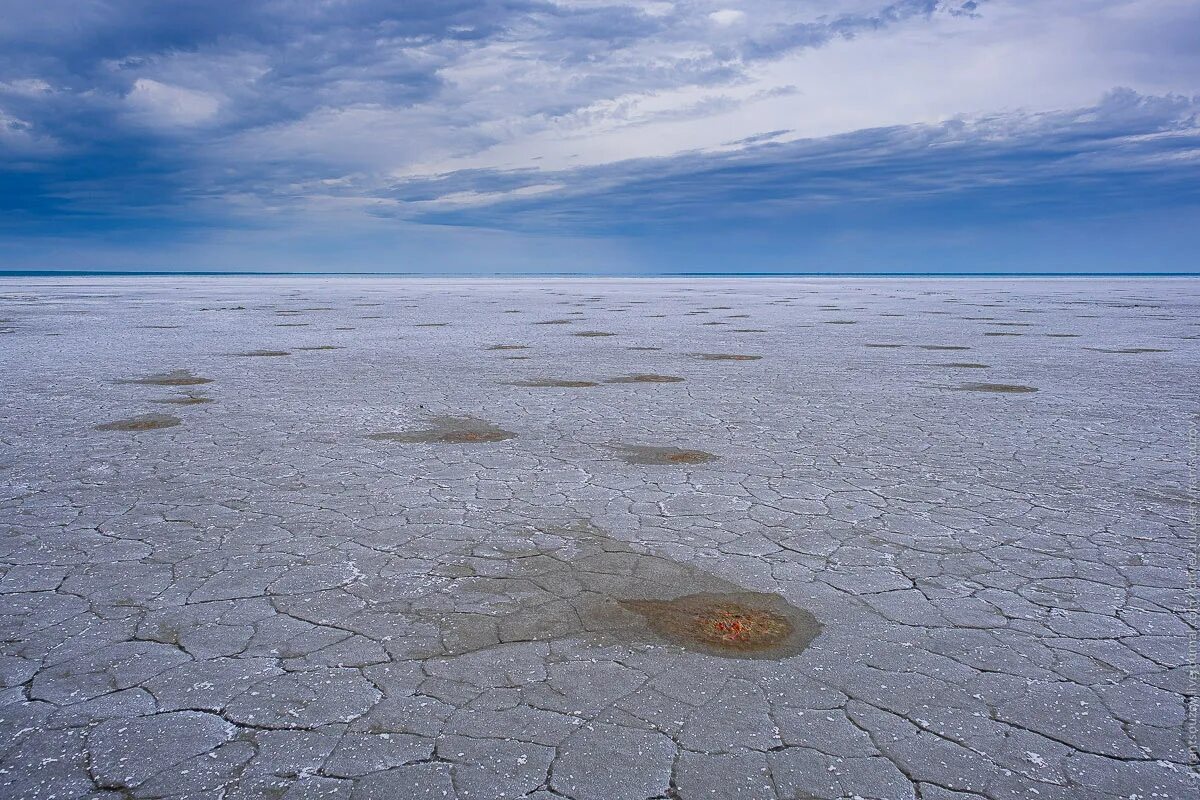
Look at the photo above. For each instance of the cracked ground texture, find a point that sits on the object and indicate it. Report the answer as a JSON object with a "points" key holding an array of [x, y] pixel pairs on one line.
{"points": [[385, 550]]}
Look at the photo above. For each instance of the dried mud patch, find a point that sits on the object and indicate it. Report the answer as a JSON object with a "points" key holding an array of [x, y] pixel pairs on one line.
{"points": [[449, 430], [144, 422]]}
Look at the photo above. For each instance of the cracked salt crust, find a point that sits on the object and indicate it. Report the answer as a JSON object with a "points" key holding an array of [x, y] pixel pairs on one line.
{"points": [[263, 601]]}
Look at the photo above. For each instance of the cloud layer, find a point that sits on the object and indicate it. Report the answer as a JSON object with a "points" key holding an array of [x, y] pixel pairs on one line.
{"points": [[161, 133]]}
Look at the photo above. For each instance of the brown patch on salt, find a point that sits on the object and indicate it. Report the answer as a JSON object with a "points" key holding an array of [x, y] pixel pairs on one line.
{"points": [[726, 357], [449, 430], [555, 383], [646, 377], [188, 399], [145, 422], [1000, 388], [593, 333], [663, 456], [730, 625], [178, 377]]}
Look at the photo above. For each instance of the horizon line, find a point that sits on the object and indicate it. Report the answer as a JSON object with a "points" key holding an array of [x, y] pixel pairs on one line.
{"points": [[85, 273]]}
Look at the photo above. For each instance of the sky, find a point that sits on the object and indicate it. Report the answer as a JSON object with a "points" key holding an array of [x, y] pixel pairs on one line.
{"points": [[601, 137]]}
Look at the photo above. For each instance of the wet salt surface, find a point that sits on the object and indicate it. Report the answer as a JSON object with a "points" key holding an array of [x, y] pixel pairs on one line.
{"points": [[883, 585]]}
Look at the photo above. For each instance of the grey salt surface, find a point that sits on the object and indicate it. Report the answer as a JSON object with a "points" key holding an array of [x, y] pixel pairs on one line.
{"points": [[397, 564]]}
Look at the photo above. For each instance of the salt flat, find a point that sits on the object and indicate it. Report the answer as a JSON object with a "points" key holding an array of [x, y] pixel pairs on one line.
{"points": [[368, 538]]}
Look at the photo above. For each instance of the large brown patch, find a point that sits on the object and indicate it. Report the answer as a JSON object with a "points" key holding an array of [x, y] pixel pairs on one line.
{"points": [[731, 625]]}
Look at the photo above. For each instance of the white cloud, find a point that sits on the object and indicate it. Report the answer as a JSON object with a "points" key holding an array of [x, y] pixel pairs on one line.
{"points": [[727, 16], [168, 106]]}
